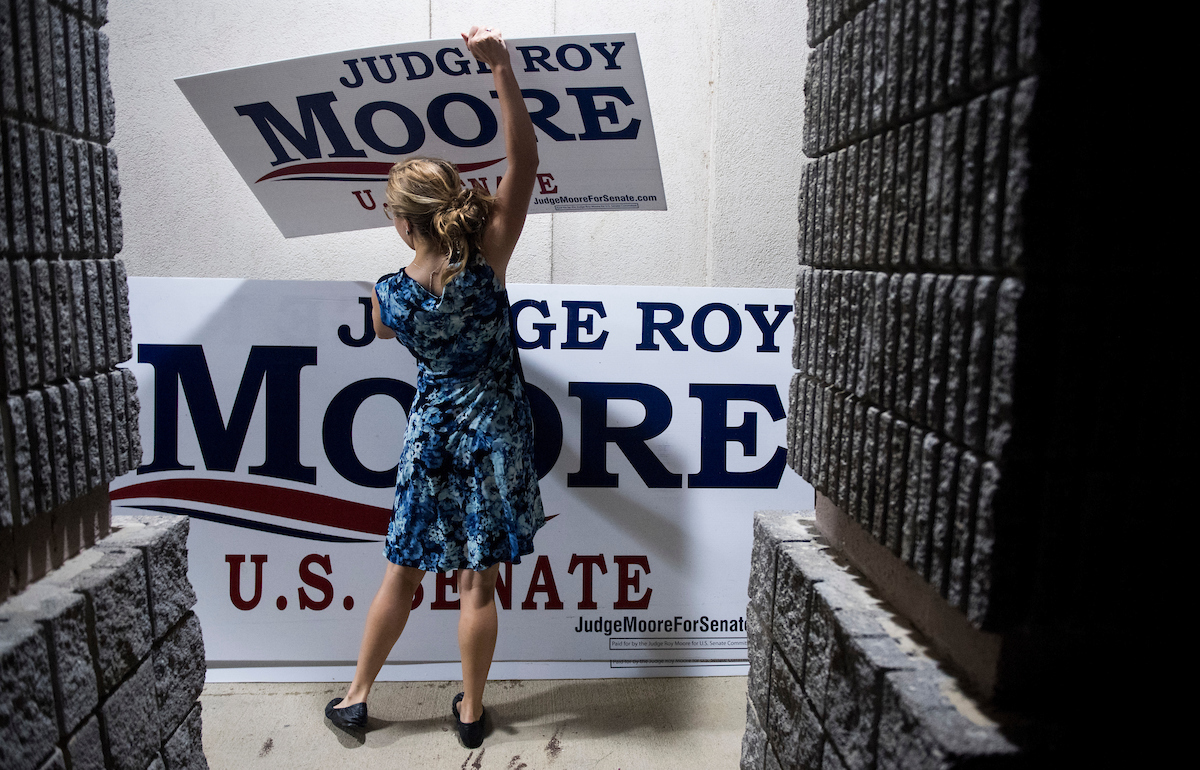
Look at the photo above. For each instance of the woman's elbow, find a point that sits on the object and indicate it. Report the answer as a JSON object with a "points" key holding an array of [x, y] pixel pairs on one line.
{"points": [[383, 332]]}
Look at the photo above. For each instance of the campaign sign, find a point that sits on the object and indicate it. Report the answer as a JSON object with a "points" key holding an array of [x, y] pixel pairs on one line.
{"points": [[273, 417], [314, 137]]}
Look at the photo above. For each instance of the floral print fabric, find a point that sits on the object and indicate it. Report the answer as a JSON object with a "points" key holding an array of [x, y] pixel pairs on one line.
{"points": [[466, 488]]}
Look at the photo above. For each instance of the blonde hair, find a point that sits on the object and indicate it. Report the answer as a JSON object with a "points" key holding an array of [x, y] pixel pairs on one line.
{"points": [[429, 193]]}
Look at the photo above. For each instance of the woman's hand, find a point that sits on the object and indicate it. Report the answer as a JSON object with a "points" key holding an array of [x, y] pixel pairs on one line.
{"points": [[486, 45]]}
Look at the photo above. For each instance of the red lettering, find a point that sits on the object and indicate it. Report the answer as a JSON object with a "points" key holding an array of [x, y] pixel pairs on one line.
{"points": [[235, 579], [629, 581], [587, 562], [313, 580], [542, 583], [544, 181], [441, 582]]}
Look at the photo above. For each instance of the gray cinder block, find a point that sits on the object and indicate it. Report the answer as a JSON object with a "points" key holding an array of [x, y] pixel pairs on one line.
{"points": [[874, 113], [939, 343], [948, 193], [831, 326], [116, 384], [936, 158], [100, 198], [46, 329], [116, 232], [835, 445], [931, 457], [979, 56], [14, 167], [1004, 38], [79, 318], [164, 541], [52, 156], [91, 81], [1004, 359], [913, 501], [995, 169], [25, 60], [62, 617], [69, 212], [6, 520], [917, 177], [856, 57], [943, 14], [923, 53], [76, 69], [25, 309], [106, 424], [9, 97], [885, 151], [962, 296], [179, 670], [39, 238], [95, 314], [60, 457], [108, 110], [783, 727], [39, 450], [133, 408], [22, 462], [907, 63], [183, 750], [970, 184], [964, 530], [10, 350], [870, 460], [86, 200], [845, 163], [979, 600], [857, 201], [905, 370], [85, 749], [28, 729], [76, 438], [758, 653], [63, 307], [922, 331], [858, 664], [118, 612], [754, 740], [945, 506], [1016, 182], [883, 464], [891, 341], [62, 92], [845, 451], [957, 71], [837, 61], [918, 727], [979, 362], [129, 719], [897, 489], [901, 166], [857, 459]]}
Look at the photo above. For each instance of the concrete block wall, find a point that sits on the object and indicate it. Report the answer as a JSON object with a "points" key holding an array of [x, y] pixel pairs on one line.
{"points": [[913, 271], [68, 413], [102, 662], [835, 681]]}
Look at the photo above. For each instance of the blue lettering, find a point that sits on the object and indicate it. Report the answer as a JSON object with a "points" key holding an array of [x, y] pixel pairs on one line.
{"points": [[591, 114], [337, 430], [716, 433], [595, 434], [759, 314], [650, 326], [701, 338], [543, 330], [436, 115], [575, 323], [364, 122], [268, 120], [220, 442]]}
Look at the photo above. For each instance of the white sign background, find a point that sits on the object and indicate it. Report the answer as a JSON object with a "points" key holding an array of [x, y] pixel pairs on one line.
{"points": [[585, 163], [695, 541]]}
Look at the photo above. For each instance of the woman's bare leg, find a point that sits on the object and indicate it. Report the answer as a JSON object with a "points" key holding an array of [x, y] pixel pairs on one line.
{"points": [[476, 636], [385, 621]]}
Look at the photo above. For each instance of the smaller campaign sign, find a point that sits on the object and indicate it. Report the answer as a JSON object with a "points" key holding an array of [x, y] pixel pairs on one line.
{"points": [[314, 137]]}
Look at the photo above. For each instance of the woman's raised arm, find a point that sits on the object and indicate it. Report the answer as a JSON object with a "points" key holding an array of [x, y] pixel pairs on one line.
{"points": [[514, 191]]}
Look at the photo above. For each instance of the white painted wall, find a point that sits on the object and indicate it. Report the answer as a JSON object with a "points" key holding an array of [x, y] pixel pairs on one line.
{"points": [[725, 79]]}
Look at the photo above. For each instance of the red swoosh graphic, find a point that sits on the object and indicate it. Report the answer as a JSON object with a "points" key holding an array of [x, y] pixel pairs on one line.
{"points": [[292, 504], [358, 167]]}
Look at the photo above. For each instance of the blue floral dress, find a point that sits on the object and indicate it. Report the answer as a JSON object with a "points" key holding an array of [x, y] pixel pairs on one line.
{"points": [[467, 488]]}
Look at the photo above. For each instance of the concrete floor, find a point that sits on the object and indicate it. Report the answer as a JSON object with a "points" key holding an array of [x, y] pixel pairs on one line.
{"points": [[607, 724]]}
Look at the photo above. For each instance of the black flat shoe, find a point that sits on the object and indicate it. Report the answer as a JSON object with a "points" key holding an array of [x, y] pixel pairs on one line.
{"points": [[350, 718], [471, 734]]}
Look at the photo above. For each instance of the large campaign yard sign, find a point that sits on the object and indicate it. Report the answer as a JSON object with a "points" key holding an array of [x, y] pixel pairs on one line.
{"points": [[314, 137], [273, 417]]}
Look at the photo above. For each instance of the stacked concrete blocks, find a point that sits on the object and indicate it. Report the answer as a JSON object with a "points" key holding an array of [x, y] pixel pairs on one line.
{"points": [[830, 686], [102, 662], [912, 273], [69, 414]]}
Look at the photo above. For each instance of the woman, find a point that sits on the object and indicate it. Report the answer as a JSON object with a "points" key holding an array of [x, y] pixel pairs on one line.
{"points": [[466, 492]]}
